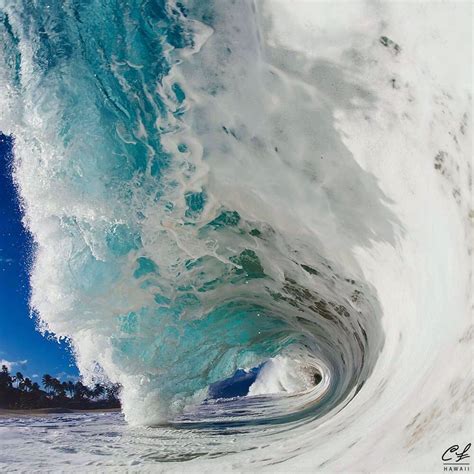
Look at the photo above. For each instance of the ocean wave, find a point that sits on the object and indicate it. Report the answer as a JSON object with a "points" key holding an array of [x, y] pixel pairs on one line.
{"points": [[276, 187]]}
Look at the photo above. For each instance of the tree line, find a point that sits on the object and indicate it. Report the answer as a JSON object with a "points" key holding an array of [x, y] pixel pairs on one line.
{"points": [[19, 392]]}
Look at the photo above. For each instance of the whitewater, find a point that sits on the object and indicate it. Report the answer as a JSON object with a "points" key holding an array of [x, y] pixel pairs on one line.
{"points": [[276, 189]]}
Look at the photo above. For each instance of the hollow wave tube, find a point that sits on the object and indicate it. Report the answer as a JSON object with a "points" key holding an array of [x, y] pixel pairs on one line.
{"points": [[275, 193]]}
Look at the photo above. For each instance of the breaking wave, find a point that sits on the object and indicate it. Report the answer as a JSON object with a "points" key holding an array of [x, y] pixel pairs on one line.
{"points": [[227, 193]]}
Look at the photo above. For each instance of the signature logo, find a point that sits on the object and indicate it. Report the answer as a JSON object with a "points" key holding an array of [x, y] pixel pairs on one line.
{"points": [[454, 458]]}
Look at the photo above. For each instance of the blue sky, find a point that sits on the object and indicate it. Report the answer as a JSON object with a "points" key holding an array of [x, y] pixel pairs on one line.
{"points": [[21, 345]]}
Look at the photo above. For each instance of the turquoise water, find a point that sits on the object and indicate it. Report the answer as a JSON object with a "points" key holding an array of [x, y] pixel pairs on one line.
{"points": [[158, 282], [220, 190]]}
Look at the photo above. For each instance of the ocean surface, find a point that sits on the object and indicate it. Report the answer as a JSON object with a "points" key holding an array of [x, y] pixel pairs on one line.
{"points": [[256, 217]]}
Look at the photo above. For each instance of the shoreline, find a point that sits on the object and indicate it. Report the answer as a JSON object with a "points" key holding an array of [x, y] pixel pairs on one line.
{"points": [[12, 413]]}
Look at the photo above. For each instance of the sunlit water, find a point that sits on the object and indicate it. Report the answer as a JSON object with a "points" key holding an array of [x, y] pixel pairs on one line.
{"points": [[104, 440], [214, 186]]}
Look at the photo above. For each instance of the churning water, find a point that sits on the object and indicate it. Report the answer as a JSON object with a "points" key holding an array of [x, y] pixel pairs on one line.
{"points": [[273, 190]]}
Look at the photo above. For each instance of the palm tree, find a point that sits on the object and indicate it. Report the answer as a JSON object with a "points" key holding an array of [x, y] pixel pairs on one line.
{"points": [[27, 384], [19, 380], [5, 378], [80, 390], [48, 383], [58, 387], [98, 390], [71, 388]]}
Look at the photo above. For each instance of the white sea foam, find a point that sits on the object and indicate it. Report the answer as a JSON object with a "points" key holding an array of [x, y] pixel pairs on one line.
{"points": [[348, 134], [418, 401], [286, 375]]}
